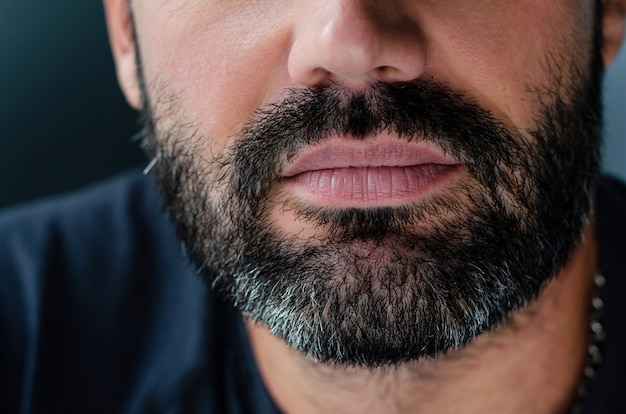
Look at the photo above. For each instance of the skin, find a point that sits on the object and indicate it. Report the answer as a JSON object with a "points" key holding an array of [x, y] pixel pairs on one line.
{"points": [[224, 59]]}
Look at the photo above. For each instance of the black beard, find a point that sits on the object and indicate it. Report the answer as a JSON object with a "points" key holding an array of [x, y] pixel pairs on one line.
{"points": [[383, 286]]}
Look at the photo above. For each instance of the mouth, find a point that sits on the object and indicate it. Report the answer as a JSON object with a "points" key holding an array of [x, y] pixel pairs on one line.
{"points": [[370, 173]]}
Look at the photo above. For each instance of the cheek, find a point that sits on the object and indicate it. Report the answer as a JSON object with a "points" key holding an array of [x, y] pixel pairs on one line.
{"points": [[502, 57], [219, 65]]}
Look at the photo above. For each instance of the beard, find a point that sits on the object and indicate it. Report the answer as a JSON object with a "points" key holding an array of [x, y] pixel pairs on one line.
{"points": [[387, 285]]}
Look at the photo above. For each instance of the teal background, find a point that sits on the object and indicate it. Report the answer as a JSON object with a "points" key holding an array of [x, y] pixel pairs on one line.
{"points": [[615, 117], [63, 120]]}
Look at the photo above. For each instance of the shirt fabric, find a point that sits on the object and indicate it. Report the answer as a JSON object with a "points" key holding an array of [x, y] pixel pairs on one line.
{"points": [[100, 311]]}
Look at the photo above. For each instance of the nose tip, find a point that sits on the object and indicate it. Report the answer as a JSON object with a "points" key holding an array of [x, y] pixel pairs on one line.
{"points": [[354, 46]]}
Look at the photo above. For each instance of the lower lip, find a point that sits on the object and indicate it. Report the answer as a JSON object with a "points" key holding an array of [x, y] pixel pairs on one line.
{"points": [[371, 185]]}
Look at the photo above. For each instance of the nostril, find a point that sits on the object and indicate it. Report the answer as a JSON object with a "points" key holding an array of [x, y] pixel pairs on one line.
{"points": [[389, 74], [386, 70]]}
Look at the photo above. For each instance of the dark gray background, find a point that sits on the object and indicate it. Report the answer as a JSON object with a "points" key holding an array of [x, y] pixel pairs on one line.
{"points": [[64, 122]]}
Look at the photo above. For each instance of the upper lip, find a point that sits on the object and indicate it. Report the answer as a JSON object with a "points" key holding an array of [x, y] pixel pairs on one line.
{"points": [[377, 152]]}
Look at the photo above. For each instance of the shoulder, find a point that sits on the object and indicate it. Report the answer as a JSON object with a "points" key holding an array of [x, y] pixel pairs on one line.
{"points": [[89, 231], [105, 221], [98, 272], [61, 234], [80, 246], [113, 201]]}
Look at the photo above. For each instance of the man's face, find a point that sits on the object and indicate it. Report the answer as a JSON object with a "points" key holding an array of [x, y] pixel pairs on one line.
{"points": [[374, 181]]}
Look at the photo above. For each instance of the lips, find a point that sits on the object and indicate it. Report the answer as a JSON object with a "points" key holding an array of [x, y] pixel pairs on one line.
{"points": [[361, 173]]}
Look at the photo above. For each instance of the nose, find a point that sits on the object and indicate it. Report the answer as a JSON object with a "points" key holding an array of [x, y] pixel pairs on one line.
{"points": [[356, 42]]}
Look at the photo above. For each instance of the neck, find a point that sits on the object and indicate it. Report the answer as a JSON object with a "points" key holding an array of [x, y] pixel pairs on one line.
{"points": [[531, 364]]}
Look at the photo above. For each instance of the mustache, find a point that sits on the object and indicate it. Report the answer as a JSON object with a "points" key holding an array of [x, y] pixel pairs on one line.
{"points": [[416, 110]]}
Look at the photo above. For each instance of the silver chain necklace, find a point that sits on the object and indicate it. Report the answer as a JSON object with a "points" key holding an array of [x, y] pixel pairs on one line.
{"points": [[595, 341]]}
